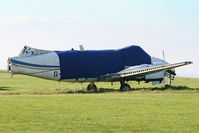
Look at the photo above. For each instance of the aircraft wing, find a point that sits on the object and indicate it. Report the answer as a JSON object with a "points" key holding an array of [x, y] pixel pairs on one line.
{"points": [[132, 73]]}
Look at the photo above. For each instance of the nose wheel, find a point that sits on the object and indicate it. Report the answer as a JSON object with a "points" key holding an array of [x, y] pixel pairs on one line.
{"points": [[124, 86]]}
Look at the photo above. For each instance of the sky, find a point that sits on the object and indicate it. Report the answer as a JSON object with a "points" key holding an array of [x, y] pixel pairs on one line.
{"points": [[155, 25]]}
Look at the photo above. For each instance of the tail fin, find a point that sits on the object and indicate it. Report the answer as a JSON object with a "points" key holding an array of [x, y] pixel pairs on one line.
{"points": [[29, 51]]}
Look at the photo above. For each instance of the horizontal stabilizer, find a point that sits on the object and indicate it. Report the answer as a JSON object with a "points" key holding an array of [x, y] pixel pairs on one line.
{"points": [[29, 51]]}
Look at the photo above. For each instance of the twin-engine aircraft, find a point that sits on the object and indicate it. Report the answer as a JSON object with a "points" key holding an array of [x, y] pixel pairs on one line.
{"points": [[125, 64]]}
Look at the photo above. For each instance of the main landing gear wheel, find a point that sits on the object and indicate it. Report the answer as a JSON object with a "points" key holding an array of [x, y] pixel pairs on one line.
{"points": [[125, 87], [92, 86]]}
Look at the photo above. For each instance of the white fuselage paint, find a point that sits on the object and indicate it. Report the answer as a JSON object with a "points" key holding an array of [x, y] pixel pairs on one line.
{"points": [[49, 59]]}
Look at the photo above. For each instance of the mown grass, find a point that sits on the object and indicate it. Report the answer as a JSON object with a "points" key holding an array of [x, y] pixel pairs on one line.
{"points": [[100, 113], [29, 104]]}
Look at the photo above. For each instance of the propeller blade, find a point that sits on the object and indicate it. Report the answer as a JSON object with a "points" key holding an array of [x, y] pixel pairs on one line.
{"points": [[163, 55], [170, 80]]}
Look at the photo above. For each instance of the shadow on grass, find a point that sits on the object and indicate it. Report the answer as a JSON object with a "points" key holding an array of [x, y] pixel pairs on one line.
{"points": [[4, 88], [99, 90], [104, 90], [167, 87]]}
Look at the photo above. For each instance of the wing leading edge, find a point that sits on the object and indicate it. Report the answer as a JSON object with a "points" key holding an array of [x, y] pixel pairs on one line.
{"points": [[130, 74]]}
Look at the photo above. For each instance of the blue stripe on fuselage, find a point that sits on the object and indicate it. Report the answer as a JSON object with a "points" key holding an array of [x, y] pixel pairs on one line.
{"points": [[32, 65]]}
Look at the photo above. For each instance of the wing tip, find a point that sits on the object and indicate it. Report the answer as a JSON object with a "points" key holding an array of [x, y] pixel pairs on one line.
{"points": [[188, 62]]}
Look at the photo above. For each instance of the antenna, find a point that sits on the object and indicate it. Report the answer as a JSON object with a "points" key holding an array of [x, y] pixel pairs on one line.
{"points": [[163, 55]]}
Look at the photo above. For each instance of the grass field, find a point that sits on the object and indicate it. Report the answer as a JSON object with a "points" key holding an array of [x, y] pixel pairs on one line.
{"points": [[29, 104]]}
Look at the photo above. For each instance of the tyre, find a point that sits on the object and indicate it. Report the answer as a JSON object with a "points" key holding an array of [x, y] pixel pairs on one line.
{"points": [[125, 87], [92, 87]]}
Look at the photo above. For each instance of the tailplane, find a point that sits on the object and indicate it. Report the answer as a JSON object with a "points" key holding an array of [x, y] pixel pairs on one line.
{"points": [[29, 51]]}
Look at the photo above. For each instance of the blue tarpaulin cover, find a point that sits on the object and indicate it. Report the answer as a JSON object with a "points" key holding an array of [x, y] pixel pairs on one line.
{"points": [[94, 63]]}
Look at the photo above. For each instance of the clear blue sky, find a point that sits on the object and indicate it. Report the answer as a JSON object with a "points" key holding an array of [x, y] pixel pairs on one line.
{"points": [[155, 25]]}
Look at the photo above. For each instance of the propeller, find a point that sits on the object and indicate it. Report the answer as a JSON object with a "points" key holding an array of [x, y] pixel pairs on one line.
{"points": [[170, 73], [163, 55]]}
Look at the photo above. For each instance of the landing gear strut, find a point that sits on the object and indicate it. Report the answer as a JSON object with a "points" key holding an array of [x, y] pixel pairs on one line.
{"points": [[91, 86], [124, 86]]}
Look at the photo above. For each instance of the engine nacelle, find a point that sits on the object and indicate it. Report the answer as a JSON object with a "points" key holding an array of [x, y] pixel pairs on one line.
{"points": [[156, 78]]}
